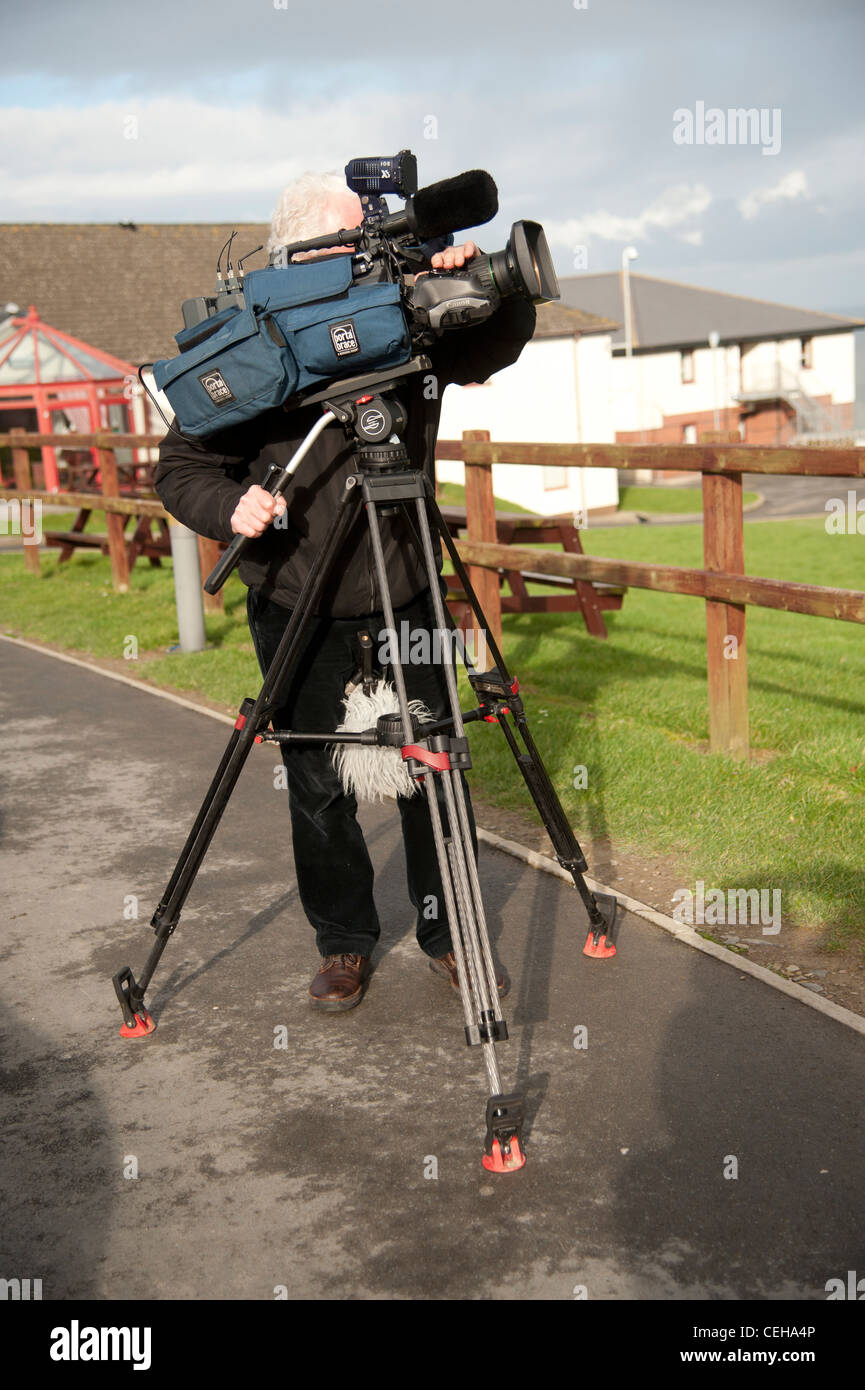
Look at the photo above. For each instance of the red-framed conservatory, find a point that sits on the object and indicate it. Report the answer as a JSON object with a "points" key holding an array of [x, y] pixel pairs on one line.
{"points": [[67, 385]]}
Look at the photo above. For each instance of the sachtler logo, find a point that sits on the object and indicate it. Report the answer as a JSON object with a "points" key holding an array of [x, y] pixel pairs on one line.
{"points": [[344, 338], [216, 387], [372, 421]]}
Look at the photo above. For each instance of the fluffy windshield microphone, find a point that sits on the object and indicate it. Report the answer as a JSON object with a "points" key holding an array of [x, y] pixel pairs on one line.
{"points": [[468, 200]]}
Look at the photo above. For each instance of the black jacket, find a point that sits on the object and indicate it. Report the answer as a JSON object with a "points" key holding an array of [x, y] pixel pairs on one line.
{"points": [[201, 483]]}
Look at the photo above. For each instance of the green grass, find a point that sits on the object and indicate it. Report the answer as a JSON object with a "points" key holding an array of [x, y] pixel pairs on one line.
{"points": [[632, 709], [454, 495], [667, 499], [73, 606]]}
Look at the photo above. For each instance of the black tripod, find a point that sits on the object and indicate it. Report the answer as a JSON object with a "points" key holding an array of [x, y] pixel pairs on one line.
{"points": [[433, 752]]}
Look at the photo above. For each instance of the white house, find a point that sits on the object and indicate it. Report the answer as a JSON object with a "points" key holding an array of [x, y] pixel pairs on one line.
{"points": [[558, 392], [703, 361]]}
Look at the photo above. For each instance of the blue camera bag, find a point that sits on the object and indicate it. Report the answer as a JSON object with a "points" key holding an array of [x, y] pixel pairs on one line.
{"points": [[303, 326], [234, 374]]}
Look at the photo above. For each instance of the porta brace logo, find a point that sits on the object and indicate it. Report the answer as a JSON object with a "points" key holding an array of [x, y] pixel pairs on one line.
{"points": [[216, 387], [344, 338]]}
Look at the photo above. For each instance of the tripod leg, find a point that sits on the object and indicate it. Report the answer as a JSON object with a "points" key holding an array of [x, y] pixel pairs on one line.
{"points": [[444, 758], [457, 791], [253, 718], [601, 907]]}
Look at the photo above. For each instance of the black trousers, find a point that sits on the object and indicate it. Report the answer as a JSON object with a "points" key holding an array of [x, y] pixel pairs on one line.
{"points": [[334, 871]]}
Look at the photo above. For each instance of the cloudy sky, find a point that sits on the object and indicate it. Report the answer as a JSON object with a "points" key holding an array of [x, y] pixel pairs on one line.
{"points": [[200, 110]]}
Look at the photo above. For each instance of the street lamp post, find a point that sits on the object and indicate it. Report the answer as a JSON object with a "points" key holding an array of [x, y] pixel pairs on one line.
{"points": [[714, 340], [629, 254]]}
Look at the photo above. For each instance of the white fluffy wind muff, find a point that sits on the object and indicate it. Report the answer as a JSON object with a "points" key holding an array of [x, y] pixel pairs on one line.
{"points": [[374, 772]]}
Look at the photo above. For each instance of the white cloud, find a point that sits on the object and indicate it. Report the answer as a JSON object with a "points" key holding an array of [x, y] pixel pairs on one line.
{"points": [[791, 186], [80, 163], [672, 211]]}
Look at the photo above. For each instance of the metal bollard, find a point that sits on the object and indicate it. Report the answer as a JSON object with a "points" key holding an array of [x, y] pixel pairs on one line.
{"points": [[187, 587]]}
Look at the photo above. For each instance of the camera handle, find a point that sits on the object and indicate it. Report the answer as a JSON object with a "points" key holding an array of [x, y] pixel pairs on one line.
{"points": [[275, 483]]}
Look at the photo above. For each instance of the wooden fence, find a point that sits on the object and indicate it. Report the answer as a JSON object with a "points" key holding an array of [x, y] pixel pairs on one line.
{"points": [[109, 499], [721, 583]]}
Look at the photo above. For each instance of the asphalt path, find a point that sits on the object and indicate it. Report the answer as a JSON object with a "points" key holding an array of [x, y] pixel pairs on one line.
{"points": [[204, 1162], [782, 498], [787, 497]]}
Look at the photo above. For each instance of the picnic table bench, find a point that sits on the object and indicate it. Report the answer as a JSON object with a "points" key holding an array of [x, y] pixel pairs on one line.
{"points": [[141, 542], [578, 596]]}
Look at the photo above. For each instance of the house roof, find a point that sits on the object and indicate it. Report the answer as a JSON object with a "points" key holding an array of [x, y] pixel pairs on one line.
{"points": [[33, 353], [117, 288], [669, 315], [120, 287], [559, 321]]}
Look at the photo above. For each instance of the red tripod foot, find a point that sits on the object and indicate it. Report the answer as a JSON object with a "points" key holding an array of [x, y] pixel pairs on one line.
{"points": [[137, 1022], [502, 1152], [601, 940], [143, 1025], [600, 946], [504, 1160]]}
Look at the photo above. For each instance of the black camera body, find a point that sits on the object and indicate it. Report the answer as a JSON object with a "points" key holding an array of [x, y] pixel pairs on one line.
{"points": [[372, 302], [396, 248], [456, 298]]}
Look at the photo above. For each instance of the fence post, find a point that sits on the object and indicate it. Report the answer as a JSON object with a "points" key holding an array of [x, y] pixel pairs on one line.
{"points": [[208, 554], [24, 484], [726, 654], [481, 526], [114, 522]]}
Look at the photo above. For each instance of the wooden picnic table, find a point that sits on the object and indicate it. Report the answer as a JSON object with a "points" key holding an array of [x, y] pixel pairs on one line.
{"points": [[141, 542], [579, 596]]}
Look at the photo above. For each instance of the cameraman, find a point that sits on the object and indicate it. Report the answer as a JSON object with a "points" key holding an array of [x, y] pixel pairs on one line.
{"points": [[215, 490]]}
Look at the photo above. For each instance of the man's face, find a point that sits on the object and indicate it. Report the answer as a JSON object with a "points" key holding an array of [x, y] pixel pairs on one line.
{"points": [[345, 211]]}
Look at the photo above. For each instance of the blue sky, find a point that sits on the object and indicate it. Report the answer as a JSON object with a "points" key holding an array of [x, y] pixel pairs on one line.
{"points": [[191, 111]]}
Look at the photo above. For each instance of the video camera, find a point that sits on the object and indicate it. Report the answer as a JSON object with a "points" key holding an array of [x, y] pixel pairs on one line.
{"points": [[269, 337]]}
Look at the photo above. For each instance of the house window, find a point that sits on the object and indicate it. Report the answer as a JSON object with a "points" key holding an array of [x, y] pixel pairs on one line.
{"points": [[806, 353], [554, 477], [687, 366], [689, 434]]}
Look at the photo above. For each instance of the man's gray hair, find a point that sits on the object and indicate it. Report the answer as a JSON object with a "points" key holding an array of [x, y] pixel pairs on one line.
{"points": [[303, 210]]}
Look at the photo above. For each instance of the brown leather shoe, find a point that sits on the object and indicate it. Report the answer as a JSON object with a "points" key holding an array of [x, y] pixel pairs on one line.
{"points": [[339, 983], [447, 967]]}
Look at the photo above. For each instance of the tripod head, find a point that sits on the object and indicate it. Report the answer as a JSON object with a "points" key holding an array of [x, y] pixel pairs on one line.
{"points": [[376, 418], [363, 405]]}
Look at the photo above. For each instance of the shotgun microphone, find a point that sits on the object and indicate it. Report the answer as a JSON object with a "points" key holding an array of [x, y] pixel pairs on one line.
{"points": [[467, 200]]}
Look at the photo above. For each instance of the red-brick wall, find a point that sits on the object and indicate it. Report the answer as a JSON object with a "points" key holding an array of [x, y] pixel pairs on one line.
{"points": [[674, 427], [769, 425]]}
